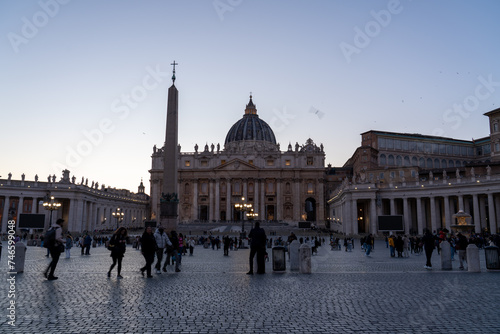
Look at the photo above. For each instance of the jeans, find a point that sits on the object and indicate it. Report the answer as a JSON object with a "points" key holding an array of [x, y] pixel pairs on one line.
{"points": [[368, 249]]}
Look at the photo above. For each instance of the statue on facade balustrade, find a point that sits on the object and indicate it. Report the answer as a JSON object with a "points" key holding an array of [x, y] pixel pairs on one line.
{"points": [[92, 186], [445, 176], [36, 177], [87, 182], [212, 147], [218, 147], [97, 185], [472, 173], [431, 176], [83, 181], [196, 148], [9, 176], [73, 179], [488, 170], [54, 178], [457, 173], [22, 176], [48, 178]]}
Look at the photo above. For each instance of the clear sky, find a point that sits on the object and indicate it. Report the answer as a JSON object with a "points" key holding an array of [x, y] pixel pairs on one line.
{"points": [[84, 84]]}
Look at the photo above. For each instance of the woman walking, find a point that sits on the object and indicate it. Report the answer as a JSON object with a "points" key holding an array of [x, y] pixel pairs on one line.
{"points": [[148, 249], [118, 246]]}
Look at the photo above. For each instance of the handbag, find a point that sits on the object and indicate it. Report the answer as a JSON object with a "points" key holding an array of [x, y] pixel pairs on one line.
{"points": [[60, 248]]}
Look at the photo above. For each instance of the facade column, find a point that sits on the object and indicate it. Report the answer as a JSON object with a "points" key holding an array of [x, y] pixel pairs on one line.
{"points": [[263, 200], [373, 216], [71, 215], [279, 201], [211, 198], [447, 216], [34, 205], [433, 213], [393, 206], [93, 216], [491, 213], [194, 209], [321, 200], [256, 198], [497, 207], [229, 212], [406, 215], [217, 200], [475, 208], [5, 214], [296, 201], [420, 221]]}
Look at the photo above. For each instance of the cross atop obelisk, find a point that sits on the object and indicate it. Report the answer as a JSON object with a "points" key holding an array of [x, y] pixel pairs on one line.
{"points": [[173, 75]]}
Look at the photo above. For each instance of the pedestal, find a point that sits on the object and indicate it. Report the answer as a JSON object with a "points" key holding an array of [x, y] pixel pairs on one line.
{"points": [[293, 249], [445, 255], [305, 254], [473, 259]]}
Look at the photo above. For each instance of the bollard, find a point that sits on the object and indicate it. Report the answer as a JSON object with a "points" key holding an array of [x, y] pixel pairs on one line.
{"points": [[445, 255], [279, 261], [19, 258], [305, 254], [294, 255], [473, 259]]}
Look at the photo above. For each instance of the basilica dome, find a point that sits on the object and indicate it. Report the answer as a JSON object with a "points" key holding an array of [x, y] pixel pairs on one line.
{"points": [[250, 128]]}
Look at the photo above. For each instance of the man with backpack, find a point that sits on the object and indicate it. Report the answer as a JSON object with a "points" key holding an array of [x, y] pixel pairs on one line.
{"points": [[54, 242]]}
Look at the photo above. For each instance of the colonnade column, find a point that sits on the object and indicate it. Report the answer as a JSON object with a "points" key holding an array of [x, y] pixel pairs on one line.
{"points": [[461, 202], [433, 213], [263, 200], [491, 213], [406, 215], [373, 215], [34, 205], [420, 222], [256, 197], [447, 216], [354, 214], [347, 221], [393, 206], [5, 214], [321, 200], [194, 209], [475, 208], [20, 207]]}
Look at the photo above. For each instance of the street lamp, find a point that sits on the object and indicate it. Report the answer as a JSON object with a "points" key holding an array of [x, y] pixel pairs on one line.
{"points": [[252, 215], [51, 206], [119, 216], [243, 207]]}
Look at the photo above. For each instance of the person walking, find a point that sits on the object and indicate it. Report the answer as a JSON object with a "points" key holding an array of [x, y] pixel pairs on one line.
{"points": [[162, 242], [87, 242], [368, 241], [69, 245], [174, 238], [148, 249], [118, 246], [257, 247], [192, 243], [55, 250], [429, 244]]}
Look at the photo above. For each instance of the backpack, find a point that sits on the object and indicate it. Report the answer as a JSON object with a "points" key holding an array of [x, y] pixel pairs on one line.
{"points": [[49, 239], [111, 243]]}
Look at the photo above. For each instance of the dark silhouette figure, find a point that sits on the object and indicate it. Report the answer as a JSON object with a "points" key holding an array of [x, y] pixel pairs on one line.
{"points": [[257, 246]]}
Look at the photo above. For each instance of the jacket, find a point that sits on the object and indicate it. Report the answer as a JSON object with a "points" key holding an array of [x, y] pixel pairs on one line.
{"points": [[162, 239]]}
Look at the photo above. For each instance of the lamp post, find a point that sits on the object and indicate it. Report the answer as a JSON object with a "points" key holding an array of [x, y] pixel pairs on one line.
{"points": [[252, 215], [118, 214], [243, 207], [51, 205]]}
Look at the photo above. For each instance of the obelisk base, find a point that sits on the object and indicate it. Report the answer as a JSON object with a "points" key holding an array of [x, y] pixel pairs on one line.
{"points": [[168, 215]]}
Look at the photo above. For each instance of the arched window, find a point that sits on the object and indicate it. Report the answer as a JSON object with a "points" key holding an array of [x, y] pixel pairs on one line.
{"points": [[421, 162], [458, 163], [436, 163], [407, 161], [310, 188], [250, 188], [444, 164], [383, 161], [399, 161], [287, 188], [390, 160], [429, 163], [414, 161], [186, 188], [451, 163]]}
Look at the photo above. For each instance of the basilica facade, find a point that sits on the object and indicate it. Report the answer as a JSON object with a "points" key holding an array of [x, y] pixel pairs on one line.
{"points": [[285, 186]]}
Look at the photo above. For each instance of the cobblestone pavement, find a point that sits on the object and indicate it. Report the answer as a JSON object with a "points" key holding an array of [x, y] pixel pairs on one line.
{"points": [[346, 293]]}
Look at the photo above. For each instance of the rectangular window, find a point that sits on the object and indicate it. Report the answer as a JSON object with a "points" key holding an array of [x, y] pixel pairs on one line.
{"points": [[381, 176], [187, 163], [250, 162], [310, 161], [427, 147], [381, 143], [222, 162], [390, 144], [287, 163], [449, 149], [270, 162], [442, 149], [204, 163], [456, 150], [497, 147], [463, 151], [404, 145], [397, 144], [413, 146], [420, 147], [435, 148]]}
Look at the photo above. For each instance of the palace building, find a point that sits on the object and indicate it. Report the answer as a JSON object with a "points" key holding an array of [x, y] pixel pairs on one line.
{"points": [[424, 179], [285, 186]]}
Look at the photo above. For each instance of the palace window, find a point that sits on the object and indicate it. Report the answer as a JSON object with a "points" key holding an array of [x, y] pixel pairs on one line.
{"points": [[287, 163], [250, 162], [187, 163], [497, 147], [222, 162], [495, 127], [270, 162], [310, 161], [204, 187], [204, 163], [310, 188]]}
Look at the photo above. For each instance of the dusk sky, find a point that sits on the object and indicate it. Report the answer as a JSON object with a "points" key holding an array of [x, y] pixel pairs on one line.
{"points": [[84, 83]]}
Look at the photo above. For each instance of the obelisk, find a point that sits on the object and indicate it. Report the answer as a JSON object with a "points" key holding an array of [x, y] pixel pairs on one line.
{"points": [[169, 200]]}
